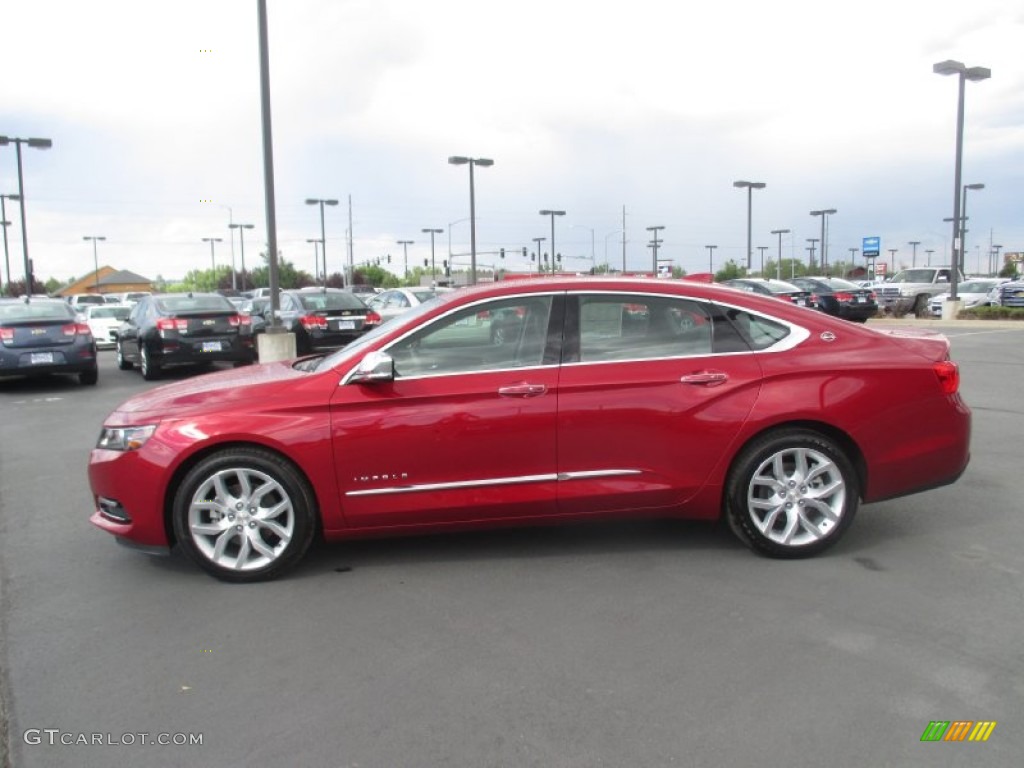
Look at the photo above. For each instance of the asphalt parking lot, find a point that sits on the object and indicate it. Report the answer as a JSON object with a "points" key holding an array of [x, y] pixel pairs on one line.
{"points": [[611, 644]]}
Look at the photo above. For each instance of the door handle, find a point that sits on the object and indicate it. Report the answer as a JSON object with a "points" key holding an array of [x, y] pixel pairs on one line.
{"points": [[522, 390], [708, 378]]}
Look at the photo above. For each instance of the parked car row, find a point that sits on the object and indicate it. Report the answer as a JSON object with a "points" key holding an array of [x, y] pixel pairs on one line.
{"points": [[831, 295]]}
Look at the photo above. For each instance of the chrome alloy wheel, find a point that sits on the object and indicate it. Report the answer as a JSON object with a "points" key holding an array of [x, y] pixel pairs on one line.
{"points": [[241, 519], [796, 496]]}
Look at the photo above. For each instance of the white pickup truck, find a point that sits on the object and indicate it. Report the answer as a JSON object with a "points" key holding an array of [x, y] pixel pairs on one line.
{"points": [[912, 289]]}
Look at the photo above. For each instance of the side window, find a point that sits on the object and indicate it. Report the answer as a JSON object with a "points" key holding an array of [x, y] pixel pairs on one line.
{"points": [[499, 335], [641, 327], [758, 332]]}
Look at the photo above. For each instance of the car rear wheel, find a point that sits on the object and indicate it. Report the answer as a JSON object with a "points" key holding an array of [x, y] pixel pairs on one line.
{"points": [[122, 363], [150, 370], [90, 377], [244, 515], [792, 494]]}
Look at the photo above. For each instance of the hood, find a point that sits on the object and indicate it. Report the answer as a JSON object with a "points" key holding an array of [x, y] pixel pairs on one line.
{"points": [[211, 391], [930, 345]]}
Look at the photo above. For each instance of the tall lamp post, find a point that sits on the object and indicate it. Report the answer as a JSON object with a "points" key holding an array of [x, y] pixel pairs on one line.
{"points": [[762, 249], [655, 242], [813, 246], [211, 241], [316, 261], [552, 214], [711, 260], [483, 162], [432, 232], [928, 254], [750, 187], [824, 213], [994, 260], [95, 261], [963, 229], [853, 257], [323, 236], [241, 243], [405, 251], [5, 224], [780, 233], [913, 256], [538, 241], [35, 144], [963, 73]]}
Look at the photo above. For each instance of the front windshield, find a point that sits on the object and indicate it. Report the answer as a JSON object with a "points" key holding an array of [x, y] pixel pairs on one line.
{"points": [[914, 276], [976, 286]]}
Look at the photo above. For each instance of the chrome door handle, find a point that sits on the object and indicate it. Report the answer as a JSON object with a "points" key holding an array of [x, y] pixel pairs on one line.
{"points": [[710, 378], [523, 390]]}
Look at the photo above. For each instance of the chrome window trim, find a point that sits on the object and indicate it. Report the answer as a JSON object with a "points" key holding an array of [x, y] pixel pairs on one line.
{"points": [[493, 482]]}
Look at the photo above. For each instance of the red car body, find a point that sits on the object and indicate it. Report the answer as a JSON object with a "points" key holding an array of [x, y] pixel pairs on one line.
{"points": [[633, 435]]}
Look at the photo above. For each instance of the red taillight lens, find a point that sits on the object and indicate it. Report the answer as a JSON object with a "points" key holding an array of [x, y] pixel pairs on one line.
{"points": [[74, 329], [948, 373], [840, 296], [171, 324], [6, 334], [372, 318], [314, 322], [236, 320]]}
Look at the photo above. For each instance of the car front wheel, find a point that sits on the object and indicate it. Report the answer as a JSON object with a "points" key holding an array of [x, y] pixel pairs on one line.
{"points": [[792, 494], [150, 370], [122, 363], [244, 514]]}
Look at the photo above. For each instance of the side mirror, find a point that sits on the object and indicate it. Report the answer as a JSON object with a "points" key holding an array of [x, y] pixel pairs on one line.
{"points": [[114, 334], [376, 366]]}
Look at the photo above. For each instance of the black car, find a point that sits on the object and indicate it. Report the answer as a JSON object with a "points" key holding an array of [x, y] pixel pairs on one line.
{"points": [[41, 336], [184, 329], [841, 298], [324, 318], [778, 289]]}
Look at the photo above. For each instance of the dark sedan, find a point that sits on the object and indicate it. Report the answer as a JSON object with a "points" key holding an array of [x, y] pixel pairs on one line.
{"points": [[324, 318], [841, 298], [42, 336], [183, 329], [778, 289]]}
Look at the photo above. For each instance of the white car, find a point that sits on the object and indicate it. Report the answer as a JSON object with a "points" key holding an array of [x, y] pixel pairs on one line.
{"points": [[395, 301], [104, 320], [974, 292]]}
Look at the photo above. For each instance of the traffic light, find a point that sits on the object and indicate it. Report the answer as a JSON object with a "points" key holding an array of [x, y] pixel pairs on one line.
{"points": [[389, 258], [426, 263], [524, 252], [503, 253], [447, 272], [533, 257]]}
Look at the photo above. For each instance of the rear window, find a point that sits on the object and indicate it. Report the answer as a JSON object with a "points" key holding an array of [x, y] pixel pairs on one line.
{"points": [[184, 303], [422, 296], [35, 310], [117, 313], [89, 299], [323, 301]]}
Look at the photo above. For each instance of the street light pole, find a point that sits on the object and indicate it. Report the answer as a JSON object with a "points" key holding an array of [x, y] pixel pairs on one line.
{"points": [[762, 249], [963, 228], [432, 232], [655, 242], [824, 213], [483, 162], [95, 261], [323, 236], [913, 257], [241, 242], [213, 262], [35, 144], [552, 214], [928, 253], [780, 233], [405, 251], [5, 225], [892, 259], [316, 261], [750, 187], [711, 260], [814, 242], [538, 241], [963, 73]]}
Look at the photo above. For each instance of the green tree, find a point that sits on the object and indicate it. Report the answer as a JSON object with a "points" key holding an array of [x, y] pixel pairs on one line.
{"points": [[287, 275], [730, 271]]}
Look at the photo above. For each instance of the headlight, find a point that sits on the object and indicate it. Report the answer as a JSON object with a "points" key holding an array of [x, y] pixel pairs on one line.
{"points": [[125, 438]]}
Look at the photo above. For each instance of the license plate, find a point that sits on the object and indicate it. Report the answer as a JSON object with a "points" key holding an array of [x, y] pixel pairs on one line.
{"points": [[41, 358], [801, 303], [861, 299], [345, 325], [211, 346]]}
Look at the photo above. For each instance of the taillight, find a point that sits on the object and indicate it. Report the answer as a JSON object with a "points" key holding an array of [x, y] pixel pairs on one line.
{"points": [[840, 296], [949, 376], [236, 320], [313, 322], [75, 329], [372, 318], [6, 334], [171, 324]]}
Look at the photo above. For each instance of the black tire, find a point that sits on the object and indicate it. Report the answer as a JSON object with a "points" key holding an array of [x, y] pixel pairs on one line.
{"points": [[122, 363], [805, 511], [242, 541], [150, 370], [921, 307], [90, 377]]}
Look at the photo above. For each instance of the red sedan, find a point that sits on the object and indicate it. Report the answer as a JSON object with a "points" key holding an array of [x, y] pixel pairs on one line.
{"points": [[607, 397]]}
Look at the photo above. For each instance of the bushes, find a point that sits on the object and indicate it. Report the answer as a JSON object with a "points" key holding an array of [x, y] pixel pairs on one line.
{"points": [[992, 313]]}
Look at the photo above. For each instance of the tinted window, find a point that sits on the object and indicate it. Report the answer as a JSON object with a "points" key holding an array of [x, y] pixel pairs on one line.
{"points": [[35, 310], [510, 333], [117, 313], [186, 303], [759, 332], [641, 327], [324, 301]]}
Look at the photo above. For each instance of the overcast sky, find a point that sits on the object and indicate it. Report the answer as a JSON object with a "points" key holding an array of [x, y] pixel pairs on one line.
{"points": [[589, 107]]}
